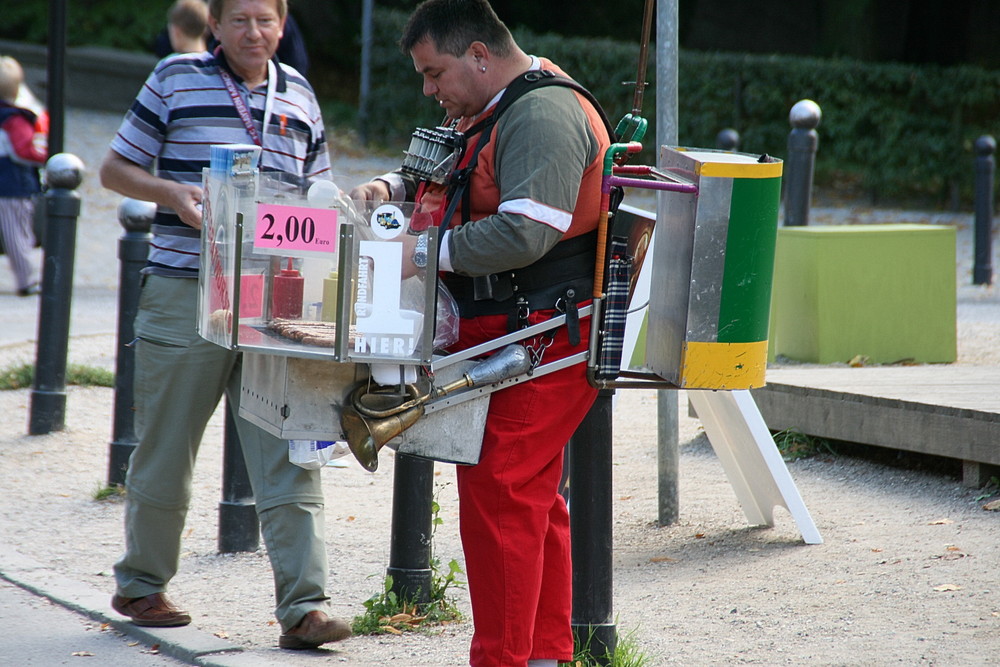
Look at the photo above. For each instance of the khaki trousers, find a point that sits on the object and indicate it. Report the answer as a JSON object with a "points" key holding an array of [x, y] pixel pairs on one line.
{"points": [[179, 380]]}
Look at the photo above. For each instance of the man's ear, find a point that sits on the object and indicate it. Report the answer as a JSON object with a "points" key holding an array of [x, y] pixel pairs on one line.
{"points": [[213, 26], [478, 51]]}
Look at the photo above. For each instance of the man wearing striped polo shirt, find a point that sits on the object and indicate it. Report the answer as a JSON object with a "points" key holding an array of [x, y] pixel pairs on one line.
{"points": [[236, 94]]}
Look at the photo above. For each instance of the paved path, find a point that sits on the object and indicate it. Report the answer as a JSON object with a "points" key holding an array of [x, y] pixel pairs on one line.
{"points": [[39, 630]]}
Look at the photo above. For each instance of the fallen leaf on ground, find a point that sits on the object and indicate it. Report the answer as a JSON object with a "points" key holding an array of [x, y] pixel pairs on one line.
{"points": [[699, 536], [82, 654], [662, 559], [947, 587], [389, 628], [221, 634], [940, 522], [992, 506]]}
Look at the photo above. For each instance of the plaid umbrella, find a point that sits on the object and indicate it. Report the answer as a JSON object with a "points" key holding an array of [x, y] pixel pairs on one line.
{"points": [[614, 311]]}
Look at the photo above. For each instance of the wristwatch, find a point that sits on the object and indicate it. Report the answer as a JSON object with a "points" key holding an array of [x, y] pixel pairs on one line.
{"points": [[420, 252]]}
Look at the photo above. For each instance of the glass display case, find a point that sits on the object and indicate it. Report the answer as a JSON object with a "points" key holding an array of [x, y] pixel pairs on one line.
{"points": [[300, 270]]}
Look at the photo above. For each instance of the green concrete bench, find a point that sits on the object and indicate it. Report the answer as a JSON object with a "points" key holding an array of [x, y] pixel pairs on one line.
{"points": [[885, 292]]}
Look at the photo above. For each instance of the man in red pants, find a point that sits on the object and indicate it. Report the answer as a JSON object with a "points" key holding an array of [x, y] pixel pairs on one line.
{"points": [[518, 247]]}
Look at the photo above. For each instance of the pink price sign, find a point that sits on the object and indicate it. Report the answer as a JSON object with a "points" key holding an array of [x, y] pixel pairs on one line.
{"points": [[295, 228]]}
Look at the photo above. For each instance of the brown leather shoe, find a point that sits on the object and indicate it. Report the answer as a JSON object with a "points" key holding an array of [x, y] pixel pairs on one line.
{"points": [[154, 610], [314, 629]]}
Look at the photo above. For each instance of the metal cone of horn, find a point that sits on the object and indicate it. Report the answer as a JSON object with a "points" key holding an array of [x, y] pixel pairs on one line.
{"points": [[367, 436], [367, 439]]}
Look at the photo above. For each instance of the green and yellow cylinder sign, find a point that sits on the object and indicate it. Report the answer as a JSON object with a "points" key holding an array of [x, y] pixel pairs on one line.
{"points": [[713, 262]]}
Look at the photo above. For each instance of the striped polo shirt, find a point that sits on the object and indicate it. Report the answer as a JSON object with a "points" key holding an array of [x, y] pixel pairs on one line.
{"points": [[183, 108]]}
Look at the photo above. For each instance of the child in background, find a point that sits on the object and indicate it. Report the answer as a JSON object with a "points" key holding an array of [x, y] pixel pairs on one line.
{"points": [[23, 149]]}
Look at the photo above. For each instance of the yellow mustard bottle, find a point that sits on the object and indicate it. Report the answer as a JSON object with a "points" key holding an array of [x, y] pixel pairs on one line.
{"points": [[330, 300]]}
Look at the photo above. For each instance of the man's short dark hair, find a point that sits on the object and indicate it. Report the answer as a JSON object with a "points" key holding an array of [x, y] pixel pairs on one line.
{"points": [[453, 25]]}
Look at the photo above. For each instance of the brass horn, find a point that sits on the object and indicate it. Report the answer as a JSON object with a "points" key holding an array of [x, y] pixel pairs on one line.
{"points": [[372, 418], [366, 436]]}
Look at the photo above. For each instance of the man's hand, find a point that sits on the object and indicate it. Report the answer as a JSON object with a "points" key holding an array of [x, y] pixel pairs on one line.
{"points": [[185, 199], [376, 190]]}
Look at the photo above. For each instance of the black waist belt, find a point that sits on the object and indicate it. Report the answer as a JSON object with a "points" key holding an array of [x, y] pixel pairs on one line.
{"points": [[539, 286]]}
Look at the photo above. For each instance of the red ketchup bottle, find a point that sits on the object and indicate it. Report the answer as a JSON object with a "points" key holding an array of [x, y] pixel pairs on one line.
{"points": [[286, 293]]}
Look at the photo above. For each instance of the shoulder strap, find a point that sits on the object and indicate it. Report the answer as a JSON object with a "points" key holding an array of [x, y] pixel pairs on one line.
{"points": [[528, 81]]}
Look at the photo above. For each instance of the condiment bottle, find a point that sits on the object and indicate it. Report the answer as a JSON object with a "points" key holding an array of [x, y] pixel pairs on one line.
{"points": [[286, 293], [330, 300]]}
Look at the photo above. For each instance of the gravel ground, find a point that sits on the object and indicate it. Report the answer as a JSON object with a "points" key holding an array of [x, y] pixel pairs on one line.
{"points": [[906, 574]]}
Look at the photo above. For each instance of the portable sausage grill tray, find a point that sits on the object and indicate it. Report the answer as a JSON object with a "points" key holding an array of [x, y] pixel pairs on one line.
{"points": [[307, 285]]}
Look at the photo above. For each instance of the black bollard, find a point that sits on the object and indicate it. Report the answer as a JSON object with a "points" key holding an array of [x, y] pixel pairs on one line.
{"points": [[412, 528], [982, 272], [239, 527], [63, 174], [135, 217], [802, 142], [590, 519], [728, 140]]}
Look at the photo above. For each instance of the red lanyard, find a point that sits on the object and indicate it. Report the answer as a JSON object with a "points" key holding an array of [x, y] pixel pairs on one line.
{"points": [[241, 107]]}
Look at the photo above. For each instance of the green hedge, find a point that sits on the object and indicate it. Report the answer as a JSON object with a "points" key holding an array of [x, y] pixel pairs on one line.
{"points": [[122, 25], [891, 131]]}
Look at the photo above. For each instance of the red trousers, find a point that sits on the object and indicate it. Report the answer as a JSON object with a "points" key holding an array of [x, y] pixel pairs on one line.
{"points": [[514, 523]]}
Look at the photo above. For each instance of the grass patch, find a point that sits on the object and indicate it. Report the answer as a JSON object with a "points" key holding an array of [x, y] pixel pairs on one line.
{"points": [[89, 376], [795, 445], [627, 653], [17, 377], [23, 376], [388, 613], [109, 492]]}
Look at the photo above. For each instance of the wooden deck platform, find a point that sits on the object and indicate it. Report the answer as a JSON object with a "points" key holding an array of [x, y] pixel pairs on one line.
{"points": [[944, 410]]}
